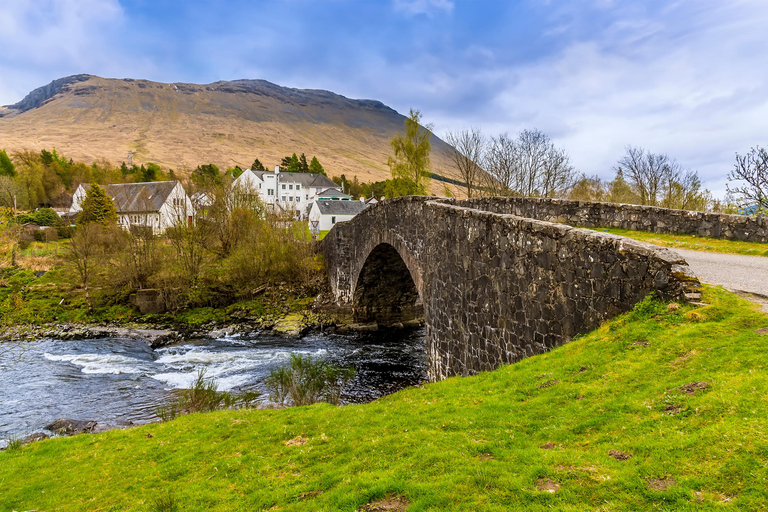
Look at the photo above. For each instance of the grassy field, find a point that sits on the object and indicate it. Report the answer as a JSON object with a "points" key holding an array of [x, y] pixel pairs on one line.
{"points": [[693, 242], [603, 423]]}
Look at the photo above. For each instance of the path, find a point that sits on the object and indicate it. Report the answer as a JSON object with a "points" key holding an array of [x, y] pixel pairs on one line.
{"points": [[731, 271]]}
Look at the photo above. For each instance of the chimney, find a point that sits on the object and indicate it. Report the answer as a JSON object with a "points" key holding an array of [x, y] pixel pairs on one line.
{"points": [[277, 169]]}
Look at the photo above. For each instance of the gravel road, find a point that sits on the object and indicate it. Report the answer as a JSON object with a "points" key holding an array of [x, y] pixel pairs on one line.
{"points": [[731, 271]]}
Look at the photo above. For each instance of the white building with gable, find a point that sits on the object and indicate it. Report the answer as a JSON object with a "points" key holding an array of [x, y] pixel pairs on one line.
{"points": [[288, 190]]}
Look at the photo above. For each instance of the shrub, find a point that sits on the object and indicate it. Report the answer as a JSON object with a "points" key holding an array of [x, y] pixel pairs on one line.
{"points": [[305, 381], [204, 396]]}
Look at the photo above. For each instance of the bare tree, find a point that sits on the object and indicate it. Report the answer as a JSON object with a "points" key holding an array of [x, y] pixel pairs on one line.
{"points": [[529, 165], [646, 172], [751, 175], [502, 178], [86, 251], [467, 153]]}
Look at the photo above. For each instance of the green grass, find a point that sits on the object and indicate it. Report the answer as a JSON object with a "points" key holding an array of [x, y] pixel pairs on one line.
{"points": [[693, 242], [465, 443]]}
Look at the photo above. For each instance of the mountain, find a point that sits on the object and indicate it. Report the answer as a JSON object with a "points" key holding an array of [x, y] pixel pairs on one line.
{"points": [[180, 125]]}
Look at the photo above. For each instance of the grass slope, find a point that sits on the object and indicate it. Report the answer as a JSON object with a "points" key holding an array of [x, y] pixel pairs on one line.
{"points": [[693, 242], [477, 443]]}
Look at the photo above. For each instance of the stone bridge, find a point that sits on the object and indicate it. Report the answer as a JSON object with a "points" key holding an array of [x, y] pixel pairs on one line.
{"points": [[491, 287]]}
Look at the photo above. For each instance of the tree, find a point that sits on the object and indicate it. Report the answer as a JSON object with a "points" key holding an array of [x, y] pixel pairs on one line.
{"points": [[529, 165], [467, 153], [750, 177], [257, 166], [150, 172], [315, 167], [646, 172], [410, 164], [205, 176], [98, 208], [588, 188], [293, 164], [303, 163], [6, 166], [86, 251], [620, 191]]}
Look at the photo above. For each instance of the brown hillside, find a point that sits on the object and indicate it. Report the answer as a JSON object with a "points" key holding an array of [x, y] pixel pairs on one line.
{"points": [[228, 123]]}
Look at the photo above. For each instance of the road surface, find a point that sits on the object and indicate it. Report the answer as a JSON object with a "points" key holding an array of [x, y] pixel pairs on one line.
{"points": [[731, 271]]}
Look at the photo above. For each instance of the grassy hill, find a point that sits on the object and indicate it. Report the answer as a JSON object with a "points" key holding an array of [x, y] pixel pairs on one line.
{"points": [[610, 421], [227, 123]]}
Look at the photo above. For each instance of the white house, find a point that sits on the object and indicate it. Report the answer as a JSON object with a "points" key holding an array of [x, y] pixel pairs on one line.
{"points": [[325, 213], [289, 190], [157, 205]]}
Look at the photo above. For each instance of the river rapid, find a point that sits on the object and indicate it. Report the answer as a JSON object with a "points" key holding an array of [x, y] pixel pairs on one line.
{"points": [[117, 380]]}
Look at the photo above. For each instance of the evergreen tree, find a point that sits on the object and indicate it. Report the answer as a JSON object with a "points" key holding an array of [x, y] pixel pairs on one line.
{"points": [[150, 172], [98, 207], [206, 175], [315, 167], [257, 166], [294, 166], [303, 163], [6, 166], [285, 162]]}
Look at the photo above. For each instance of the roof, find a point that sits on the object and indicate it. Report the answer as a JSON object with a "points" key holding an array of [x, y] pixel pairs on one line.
{"points": [[340, 207], [305, 179], [139, 197], [332, 192]]}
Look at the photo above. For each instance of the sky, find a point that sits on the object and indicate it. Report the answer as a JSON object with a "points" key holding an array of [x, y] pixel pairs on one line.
{"points": [[688, 78]]}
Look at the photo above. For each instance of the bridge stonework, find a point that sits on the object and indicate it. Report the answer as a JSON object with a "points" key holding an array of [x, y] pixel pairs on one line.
{"points": [[492, 287]]}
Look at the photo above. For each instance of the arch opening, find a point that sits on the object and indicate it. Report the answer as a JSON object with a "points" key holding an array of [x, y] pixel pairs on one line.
{"points": [[385, 291]]}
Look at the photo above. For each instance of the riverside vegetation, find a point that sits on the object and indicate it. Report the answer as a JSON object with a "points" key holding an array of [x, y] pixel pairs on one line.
{"points": [[661, 408], [237, 262]]}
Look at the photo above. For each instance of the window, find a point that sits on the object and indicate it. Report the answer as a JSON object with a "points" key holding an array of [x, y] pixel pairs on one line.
{"points": [[333, 220], [283, 198], [290, 198], [270, 192], [283, 186], [259, 186], [298, 198], [290, 187], [298, 187], [307, 197]]}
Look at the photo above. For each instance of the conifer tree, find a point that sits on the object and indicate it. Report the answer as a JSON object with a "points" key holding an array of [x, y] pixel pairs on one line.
{"points": [[315, 167], [98, 207], [257, 166], [303, 163]]}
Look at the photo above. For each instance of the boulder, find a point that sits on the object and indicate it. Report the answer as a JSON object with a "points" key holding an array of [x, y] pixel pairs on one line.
{"points": [[65, 426]]}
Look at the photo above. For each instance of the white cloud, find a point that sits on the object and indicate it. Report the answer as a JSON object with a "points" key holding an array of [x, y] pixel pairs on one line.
{"points": [[428, 7]]}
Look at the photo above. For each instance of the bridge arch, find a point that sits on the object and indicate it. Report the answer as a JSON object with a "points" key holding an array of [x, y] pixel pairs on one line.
{"points": [[385, 289]]}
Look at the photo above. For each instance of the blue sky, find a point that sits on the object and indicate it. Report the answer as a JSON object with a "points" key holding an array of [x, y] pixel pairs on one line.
{"points": [[688, 78]]}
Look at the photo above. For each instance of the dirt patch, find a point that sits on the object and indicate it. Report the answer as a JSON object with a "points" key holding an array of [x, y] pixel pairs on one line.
{"points": [[692, 387], [309, 494], [661, 484], [642, 343], [297, 441], [672, 409], [673, 306], [546, 484], [547, 446], [547, 384], [580, 397], [389, 503], [616, 454], [485, 456], [582, 369], [763, 331]]}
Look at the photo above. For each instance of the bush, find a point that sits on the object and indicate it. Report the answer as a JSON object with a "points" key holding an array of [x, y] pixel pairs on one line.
{"points": [[46, 234], [306, 381], [45, 217], [204, 396]]}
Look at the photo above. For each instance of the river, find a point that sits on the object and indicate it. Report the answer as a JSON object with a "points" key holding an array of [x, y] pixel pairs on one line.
{"points": [[117, 380]]}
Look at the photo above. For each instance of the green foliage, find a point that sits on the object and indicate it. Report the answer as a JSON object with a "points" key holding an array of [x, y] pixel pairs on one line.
{"points": [[315, 167], [203, 396], [410, 164], [303, 167], [306, 381], [45, 217], [6, 166], [98, 207], [257, 166], [206, 176], [234, 172], [14, 444], [150, 172]]}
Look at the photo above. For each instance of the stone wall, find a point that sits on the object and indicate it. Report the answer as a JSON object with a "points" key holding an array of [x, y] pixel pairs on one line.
{"points": [[494, 287], [629, 216]]}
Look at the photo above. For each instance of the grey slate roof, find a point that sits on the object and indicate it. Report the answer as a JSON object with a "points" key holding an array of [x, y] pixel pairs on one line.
{"points": [[336, 207], [332, 192], [305, 179], [139, 197]]}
